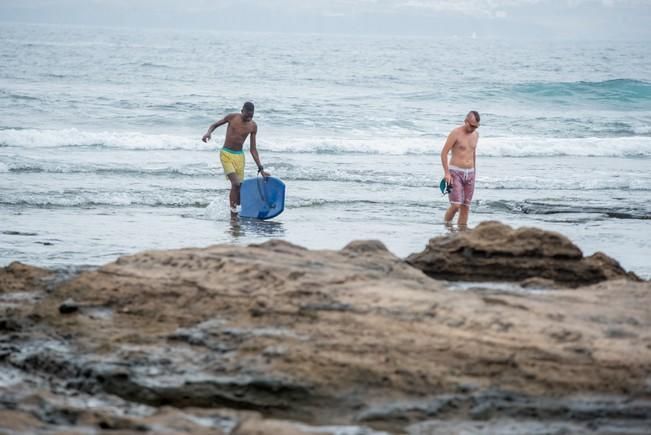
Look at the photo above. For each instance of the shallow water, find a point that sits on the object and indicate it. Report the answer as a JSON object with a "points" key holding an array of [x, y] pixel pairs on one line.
{"points": [[100, 151], [116, 215]]}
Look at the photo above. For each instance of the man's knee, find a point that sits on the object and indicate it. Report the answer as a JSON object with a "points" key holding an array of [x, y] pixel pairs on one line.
{"points": [[455, 207], [235, 181]]}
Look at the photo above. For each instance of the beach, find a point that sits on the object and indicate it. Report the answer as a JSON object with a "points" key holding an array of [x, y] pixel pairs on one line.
{"points": [[132, 302], [100, 150]]}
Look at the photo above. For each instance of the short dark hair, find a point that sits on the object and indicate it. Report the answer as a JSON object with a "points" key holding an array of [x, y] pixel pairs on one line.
{"points": [[475, 114], [248, 106]]}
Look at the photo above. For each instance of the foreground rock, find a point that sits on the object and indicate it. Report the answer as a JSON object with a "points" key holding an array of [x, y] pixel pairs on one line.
{"points": [[20, 277], [274, 338], [497, 252]]}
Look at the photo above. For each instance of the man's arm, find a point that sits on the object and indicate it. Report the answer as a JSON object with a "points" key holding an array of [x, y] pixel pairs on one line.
{"points": [[214, 125], [449, 143], [254, 152]]}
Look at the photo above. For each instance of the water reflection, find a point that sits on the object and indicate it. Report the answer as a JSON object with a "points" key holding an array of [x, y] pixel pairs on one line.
{"points": [[253, 228], [455, 228]]}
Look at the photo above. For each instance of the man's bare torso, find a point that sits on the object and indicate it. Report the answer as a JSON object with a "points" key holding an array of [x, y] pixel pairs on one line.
{"points": [[463, 150], [237, 132]]}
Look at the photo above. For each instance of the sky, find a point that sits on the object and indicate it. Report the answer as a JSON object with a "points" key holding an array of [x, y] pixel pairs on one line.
{"points": [[530, 19]]}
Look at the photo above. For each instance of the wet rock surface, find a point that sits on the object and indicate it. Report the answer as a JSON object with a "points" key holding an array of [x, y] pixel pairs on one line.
{"points": [[496, 252], [274, 338]]}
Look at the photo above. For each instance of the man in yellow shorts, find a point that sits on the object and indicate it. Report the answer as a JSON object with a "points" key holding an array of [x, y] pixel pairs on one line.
{"points": [[240, 125]]}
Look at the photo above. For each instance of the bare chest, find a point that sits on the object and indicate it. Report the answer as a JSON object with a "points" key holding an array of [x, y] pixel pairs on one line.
{"points": [[465, 144], [240, 128]]}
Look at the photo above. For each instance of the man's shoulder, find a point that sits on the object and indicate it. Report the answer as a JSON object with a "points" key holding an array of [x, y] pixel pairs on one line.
{"points": [[229, 117]]}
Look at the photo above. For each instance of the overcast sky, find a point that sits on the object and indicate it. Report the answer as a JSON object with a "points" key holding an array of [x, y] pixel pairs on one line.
{"points": [[554, 19]]}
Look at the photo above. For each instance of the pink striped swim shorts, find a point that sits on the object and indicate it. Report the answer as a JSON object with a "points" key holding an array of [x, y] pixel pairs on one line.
{"points": [[463, 185]]}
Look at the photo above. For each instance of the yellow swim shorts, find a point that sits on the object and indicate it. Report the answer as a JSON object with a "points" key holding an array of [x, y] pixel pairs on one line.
{"points": [[232, 161]]}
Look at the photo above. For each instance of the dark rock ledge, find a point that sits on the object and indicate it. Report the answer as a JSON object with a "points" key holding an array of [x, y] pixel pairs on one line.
{"points": [[277, 339], [497, 252]]}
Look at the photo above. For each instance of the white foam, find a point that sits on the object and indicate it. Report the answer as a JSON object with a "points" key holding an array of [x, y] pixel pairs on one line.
{"points": [[539, 147], [357, 142], [128, 168], [381, 144], [218, 209], [90, 198], [572, 181], [34, 138], [510, 146], [642, 129]]}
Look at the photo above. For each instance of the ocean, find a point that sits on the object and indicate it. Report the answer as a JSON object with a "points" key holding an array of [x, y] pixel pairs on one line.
{"points": [[101, 152]]}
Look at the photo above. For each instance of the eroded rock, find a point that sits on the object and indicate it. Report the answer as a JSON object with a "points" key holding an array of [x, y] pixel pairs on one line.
{"points": [[496, 252], [22, 277], [279, 337]]}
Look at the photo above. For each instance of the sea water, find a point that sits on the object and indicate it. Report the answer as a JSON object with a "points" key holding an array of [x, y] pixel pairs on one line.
{"points": [[101, 152]]}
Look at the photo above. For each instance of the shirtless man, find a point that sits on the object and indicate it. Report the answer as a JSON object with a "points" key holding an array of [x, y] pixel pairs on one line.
{"points": [[240, 125], [460, 172]]}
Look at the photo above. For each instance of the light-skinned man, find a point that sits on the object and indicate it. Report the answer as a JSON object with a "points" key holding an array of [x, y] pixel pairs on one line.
{"points": [[460, 170]]}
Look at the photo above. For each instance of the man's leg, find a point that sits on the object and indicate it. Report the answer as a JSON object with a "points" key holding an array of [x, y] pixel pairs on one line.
{"points": [[468, 192], [455, 195], [234, 196], [449, 214], [463, 215]]}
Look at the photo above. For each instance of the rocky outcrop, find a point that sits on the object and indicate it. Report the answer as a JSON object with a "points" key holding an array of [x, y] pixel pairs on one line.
{"points": [[22, 277], [274, 338], [496, 252]]}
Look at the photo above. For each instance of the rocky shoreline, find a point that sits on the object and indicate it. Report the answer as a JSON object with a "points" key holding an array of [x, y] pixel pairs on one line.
{"points": [[493, 330]]}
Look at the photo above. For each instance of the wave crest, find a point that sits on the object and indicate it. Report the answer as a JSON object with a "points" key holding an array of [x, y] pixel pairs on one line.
{"points": [[73, 137], [505, 146]]}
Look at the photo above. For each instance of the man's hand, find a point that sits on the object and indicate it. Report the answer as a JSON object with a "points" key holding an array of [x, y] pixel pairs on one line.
{"points": [[262, 172], [448, 178], [206, 137]]}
